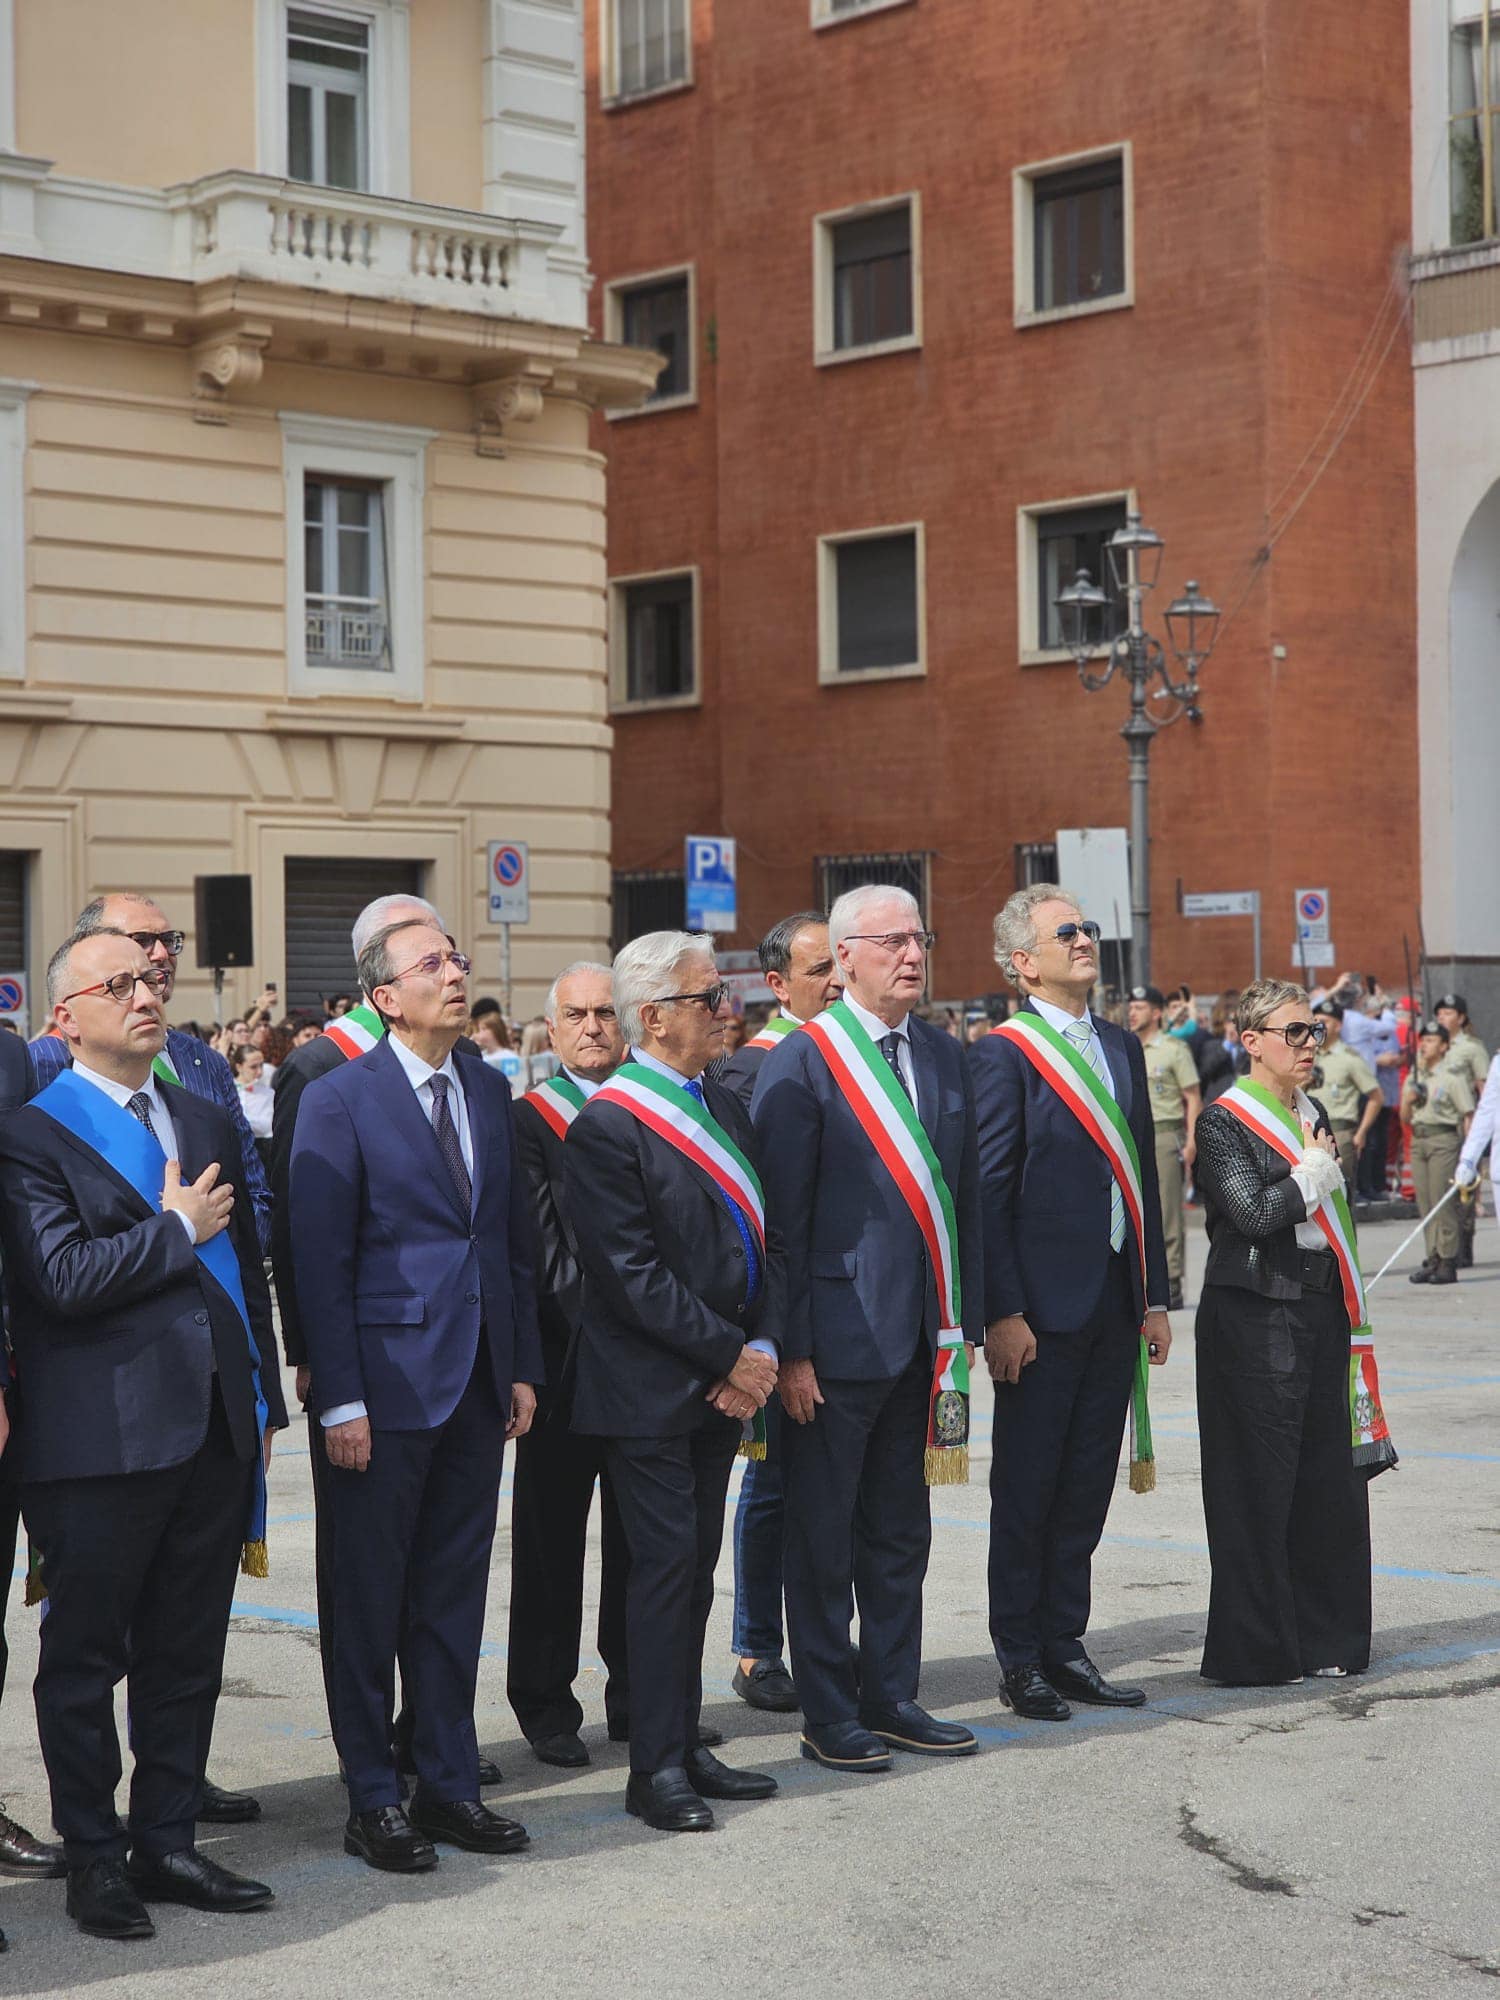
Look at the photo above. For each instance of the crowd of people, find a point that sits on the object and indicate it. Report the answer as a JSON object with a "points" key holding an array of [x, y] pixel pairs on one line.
{"points": [[678, 1242]]}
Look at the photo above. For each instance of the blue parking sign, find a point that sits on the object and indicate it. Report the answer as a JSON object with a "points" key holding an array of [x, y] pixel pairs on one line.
{"points": [[710, 884]]}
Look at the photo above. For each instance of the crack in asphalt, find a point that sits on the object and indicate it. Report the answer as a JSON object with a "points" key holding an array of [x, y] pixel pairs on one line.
{"points": [[1243, 1875], [1356, 1707]]}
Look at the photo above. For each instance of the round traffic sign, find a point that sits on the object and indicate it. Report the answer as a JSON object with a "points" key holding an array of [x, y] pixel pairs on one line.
{"points": [[510, 866], [1310, 906], [12, 996]]}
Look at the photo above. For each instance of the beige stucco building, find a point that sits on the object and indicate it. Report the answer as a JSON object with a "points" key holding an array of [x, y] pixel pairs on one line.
{"points": [[301, 534]]}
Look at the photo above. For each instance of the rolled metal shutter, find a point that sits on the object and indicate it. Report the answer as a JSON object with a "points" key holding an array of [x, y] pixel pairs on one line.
{"points": [[13, 911], [323, 897]]}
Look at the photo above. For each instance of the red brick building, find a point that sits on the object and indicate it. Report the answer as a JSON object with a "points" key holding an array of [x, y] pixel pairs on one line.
{"points": [[964, 278]]}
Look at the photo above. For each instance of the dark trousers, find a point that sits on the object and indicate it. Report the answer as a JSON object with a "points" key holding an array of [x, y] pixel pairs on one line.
{"points": [[671, 1493], [140, 1570], [10, 1523], [858, 1512], [556, 1469], [1288, 1511], [412, 1536], [759, 1523], [1372, 1161], [323, 1572], [1052, 1473]]}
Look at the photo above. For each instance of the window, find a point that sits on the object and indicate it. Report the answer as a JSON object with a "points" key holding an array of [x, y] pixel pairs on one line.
{"points": [[1474, 119], [13, 397], [355, 622], [833, 874], [866, 280], [654, 640], [327, 101], [1055, 542], [1036, 861], [646, 900], [650, 46], [657, 311], [1073, 236], [871, 605]]}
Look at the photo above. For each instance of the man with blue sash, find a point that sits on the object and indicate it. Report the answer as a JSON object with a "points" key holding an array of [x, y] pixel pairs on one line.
{"points": [[141, 1326]]}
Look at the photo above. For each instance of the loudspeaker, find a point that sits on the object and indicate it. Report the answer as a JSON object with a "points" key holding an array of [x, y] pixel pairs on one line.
{"points": [[221, 910]]}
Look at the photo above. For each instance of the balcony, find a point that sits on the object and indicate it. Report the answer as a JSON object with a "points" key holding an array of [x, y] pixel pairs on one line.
{"points": [[1456, 303], [347, 632]]}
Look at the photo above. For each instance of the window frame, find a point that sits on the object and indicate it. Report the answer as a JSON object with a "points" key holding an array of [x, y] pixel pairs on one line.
{"points": [[611, 96], [614, 330], [620, 701], [824, 14], [1485, 16], [14, 397], [395, 457], [825, 354], [1030, 651], [361, 97], [388, 95], [1023, 215], [829, 674]]}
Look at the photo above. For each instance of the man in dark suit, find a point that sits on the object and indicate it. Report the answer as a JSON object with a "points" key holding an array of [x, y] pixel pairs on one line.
{"points": [[145, 1347], [1066, 1299], [556, 1466], [863, 1310], [662, 1195], [413, 1255]]}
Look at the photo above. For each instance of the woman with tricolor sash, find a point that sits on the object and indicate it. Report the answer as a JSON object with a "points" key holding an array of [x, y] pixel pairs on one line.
{"points": [[1288, 1402]]}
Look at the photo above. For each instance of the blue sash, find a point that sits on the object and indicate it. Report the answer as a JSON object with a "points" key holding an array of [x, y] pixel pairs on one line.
{"points": [[115, 1135]]}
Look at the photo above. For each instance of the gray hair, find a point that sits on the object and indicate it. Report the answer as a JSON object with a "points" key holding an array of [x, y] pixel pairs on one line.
{"points": [[90, 921], [848, 911], [375, 916], [1015, 926], [376, 963], [549, 1011], [1261, 998], [644, 966], [775, 948]]}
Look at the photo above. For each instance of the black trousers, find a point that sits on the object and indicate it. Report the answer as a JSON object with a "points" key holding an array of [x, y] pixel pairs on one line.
{"points": [[323, 1571], [858, 1513], [1373, 1161], [412, 1536], [10, 1524], [556, 1470], [671, 1494], [1052, 1475], [1288, 1511], [140, 1570]]}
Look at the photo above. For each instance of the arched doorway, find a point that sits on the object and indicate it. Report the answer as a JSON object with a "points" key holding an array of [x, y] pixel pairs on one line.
{"points": [[1474, 731]]}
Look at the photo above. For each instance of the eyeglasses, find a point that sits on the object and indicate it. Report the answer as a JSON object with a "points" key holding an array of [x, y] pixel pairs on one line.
{"points": [[575, 1016], [1297, 1034], [173, 940], [432, 964], [895, 942], [121, 989], [1065, 933], [712, 998]]}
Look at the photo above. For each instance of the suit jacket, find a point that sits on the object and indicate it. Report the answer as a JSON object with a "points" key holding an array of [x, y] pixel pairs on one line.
{"points": [[1047, 1188], [17, 1083], [741, 1070], [397, 1286], [851, 1277], [559, 1275], [115, 1325], [663, 1310]]}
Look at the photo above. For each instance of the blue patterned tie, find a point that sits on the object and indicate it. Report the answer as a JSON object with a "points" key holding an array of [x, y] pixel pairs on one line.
{"points": [[446, 1134], [1081, 1035], [139, 1108], [747, 1235]]}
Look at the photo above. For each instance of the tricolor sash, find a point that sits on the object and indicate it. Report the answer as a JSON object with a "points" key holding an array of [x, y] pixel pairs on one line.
{"points": [[356, 1032], [164, 1068], [1073, 1077], [558, 1100], [1287, 1132], [775, 1030], [889, 1121], [118, 1137]]}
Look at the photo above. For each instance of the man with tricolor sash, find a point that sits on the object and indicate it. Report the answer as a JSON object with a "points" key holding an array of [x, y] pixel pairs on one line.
{"points": [[557, 1467], [1076, 1287], [801, 971], [141, 1327], [866, 1124], [662, 1192]]}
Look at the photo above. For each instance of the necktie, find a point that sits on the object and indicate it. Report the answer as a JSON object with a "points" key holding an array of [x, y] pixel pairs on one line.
{"points": [[446, 1134], [890, 1048], [1083, 1038], [139, 1107], [737, 1215]]}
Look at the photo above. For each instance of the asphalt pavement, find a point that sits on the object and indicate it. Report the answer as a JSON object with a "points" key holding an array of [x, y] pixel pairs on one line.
{"points": [[1328, 1839]]}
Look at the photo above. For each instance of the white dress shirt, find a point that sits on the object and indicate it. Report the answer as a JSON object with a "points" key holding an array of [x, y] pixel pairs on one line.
{"points": [[587, 1084], [877, 1030], [161, 1118]]}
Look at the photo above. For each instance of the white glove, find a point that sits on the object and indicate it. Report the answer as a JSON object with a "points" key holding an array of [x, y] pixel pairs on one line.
{"points": [[1317, 1174], [1465, 1176]]}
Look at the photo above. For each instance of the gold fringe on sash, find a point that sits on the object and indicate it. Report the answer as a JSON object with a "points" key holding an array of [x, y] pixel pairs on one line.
{"points": [[946, 1465], [751, 1448], [254, 1560], [1143, 1475]]}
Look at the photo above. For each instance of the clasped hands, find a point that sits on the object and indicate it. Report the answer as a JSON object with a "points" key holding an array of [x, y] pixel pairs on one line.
{"points": [[747, 1387]]}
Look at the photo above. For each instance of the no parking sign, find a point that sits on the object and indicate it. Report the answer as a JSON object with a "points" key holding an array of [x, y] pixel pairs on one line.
{"points": [[13, 998], [510, 882]]}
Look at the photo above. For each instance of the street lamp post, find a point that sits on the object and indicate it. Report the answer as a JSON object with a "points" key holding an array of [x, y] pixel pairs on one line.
{"points": [[1135, 554]]}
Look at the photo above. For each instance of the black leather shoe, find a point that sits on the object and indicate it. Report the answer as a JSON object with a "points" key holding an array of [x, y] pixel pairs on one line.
{"points": [[21, 1853], [186, 1876], [619, 1732], [1423, 1273], [1029, 1693], [102, 1901], [221, 1808], [908, 1727], [845, 1746], [467, 1823], [767, 1685], [1446, 1272], [666, 1800], [386, 1838], [489, 1774], [712, 1780], [1081, 1680], [569, 1751]]}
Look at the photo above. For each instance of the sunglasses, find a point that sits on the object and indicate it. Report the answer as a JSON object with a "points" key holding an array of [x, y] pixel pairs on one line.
{"points": [[711, 999], [1297, 1034], [121, 989], [1065, 933]]}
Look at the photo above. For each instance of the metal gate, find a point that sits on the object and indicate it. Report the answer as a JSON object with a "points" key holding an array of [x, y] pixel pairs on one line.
{"points": [[322, 900]]}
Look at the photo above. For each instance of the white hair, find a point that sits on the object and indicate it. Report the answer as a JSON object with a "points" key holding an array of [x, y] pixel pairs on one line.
{"points": [[377, 915], [549, 1011], [1015, 926], [848, 913], [645, 967]]}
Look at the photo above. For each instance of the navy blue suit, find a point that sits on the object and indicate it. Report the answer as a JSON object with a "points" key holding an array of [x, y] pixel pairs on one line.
{"points": [[427, 1315], [17, 1082], [853, 1289], [1047, 1255]]}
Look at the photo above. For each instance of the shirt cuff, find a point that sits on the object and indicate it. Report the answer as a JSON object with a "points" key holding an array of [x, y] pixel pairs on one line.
{"points": [[762, 1346], [182, 1217], [342, 1413]]}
